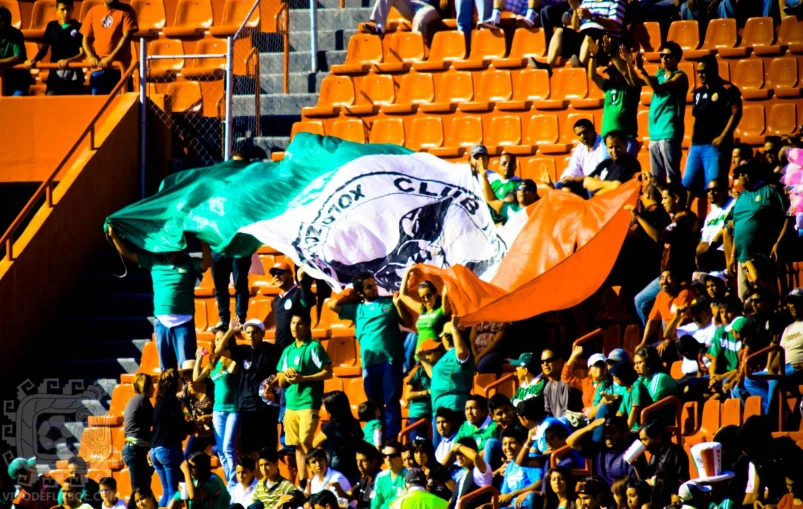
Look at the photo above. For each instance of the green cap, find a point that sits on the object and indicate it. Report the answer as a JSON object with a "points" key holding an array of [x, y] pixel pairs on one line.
{"points": [[737, 325], [525, 360]]}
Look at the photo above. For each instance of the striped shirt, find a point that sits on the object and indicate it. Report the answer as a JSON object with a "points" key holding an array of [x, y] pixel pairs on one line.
{"points": [[611, 9]]}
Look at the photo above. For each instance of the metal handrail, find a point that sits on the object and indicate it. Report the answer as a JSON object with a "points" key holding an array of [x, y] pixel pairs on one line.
{"points": [[500, 381], [769, 376], [285, 31], [245, 21], [554, 458], [46, 188], [478, 493], [257, 89], [420, 423], [588, 337]]}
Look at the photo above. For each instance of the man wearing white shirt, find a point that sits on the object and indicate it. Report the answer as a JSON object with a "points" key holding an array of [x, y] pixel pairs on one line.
{"points": [[710, 250], [243, 492], [586, 156], [446, 426]]}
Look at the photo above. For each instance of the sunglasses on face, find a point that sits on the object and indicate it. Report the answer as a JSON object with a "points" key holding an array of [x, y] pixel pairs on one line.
{"points": [[426, 296], [547, 361], [713, 189], [392, 455]]}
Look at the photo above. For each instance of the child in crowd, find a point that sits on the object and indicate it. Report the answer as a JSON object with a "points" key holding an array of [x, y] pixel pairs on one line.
{"points": [[243, 492], [523, 475], [369, 413], [322, 475], [108, 493]]}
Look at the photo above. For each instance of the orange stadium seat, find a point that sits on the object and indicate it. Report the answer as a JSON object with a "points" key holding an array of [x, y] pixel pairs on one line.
{"points": [[416, 88], [165, 68], [376, 90], [306, 126], [234, 13], [783, 77], [333, 384], [531, 85], [653, 29], [120, 396], [186, 96], [44, 11], [790, 35], [631, 338], [537, 165], [643, 119], [567, 83], [397, 22], [753, 125], [543, 132], [426, 133], [732, 412], [355, 390], [151, 16], [464, 133], [344, 355], [96, 449], [337, 327], [720, 34], [712, 415], [87, 6], [388, 130], [149, 362], [336, 92], [527, 42], [363, 51], [14, 7], [505, 136], [405, 48], [454, 87], [752, 406], [485, 46], [209, 68], [447, 47], [749, 77], [782, 119], [352, 129], [758, 35], [494, 86], [193, 18], [687, 35]]}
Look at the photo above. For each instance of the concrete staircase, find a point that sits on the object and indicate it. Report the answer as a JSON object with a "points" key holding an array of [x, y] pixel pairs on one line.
{"points": [[279, 110]]}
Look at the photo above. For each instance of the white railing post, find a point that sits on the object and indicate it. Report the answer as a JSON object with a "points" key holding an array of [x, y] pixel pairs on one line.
{"points": [[229, 88], [313, 34], [143, 113]]}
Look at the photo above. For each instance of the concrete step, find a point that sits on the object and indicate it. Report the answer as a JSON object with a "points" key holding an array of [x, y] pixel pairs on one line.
{"points": [[329, 20], [300, 83], [272, 143], [334, 40], [329, 4], [100, 368], [300, 61], [281, 104], [112, 348]]}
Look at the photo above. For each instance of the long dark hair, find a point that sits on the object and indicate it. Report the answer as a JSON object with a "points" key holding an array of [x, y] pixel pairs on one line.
{"points": [[423, 445], [339, 408], [651, 358], [551, 500], [429, 285], [168, 384], [203, 466]]}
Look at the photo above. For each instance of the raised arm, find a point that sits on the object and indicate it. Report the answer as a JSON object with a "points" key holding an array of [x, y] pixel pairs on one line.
{"points": [[121, 246], [490, 197], [461, 347], [576, 439], [593, 75], [234, 328], [446, 304], [405, 297], [206, 256]]}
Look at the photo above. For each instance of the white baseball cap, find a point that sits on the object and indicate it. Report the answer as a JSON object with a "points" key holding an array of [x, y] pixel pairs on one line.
{"points": [[255, 322], [595, 358]]}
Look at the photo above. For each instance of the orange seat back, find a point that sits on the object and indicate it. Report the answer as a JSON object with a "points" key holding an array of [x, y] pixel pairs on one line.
{"points": [[753, 120], [343, 352], [790, 31], [417, 88], [355, 390], [685, 33], [377, 89], [448, 45], [732, 412], [486, 44], [528, 42], [44, 11], [14, 7], [235, 11], [87, 6], [336, 91], [749, 74], [721, 33], [185, 95], [758, 32], [653, 29], [210, 47], [495, 86], [150, 13], [426, 132], [542, 129], [465, 131], [570, 83], [406, 47], [456, 87], [120, 396], [352, 129], [306, 126], [166, 47], [532, 85], [329, 318], [194, 13], [388, 130], [96, 445], [505, 130], [783, 73], [537, 165], [782, 119], [364, 49]]}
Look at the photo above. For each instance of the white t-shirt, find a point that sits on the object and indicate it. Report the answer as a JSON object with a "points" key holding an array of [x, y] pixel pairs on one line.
{"points": [[480, 478], [715, 221], [317, 485], [585, 160], [444, 447], [792, 343], [120, 504], [703, 336], [241, 495]]}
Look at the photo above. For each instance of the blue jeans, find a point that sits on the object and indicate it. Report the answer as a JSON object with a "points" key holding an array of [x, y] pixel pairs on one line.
{"points": [[645, 299], [175, 345], [167, 463], [743, 10], [136, 459], [704, 164], [465, 16], [383, 386], [103, 82], [768, 389], [222, 268], [410, 343], [225, 424]]}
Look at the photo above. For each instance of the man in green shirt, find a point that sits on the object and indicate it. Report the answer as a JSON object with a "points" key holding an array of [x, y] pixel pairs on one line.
{"points": [[479, 425], [272, 490], [377, 321], [389, 484], [12, 52], [667, 111], [303, 367], [531, 383], [174, 276], [526, 195], [504, 182], [724, 354], [622, 91], [417, 496]]}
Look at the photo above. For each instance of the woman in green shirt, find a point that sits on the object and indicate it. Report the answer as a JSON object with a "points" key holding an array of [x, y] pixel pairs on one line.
{"points": [[202, 488], [418, 397], [634, 394], [659, 384], [434, 310], [225, 374]]}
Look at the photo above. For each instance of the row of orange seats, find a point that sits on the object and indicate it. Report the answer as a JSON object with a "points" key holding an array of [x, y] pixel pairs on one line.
{"points": [[188, 18]]}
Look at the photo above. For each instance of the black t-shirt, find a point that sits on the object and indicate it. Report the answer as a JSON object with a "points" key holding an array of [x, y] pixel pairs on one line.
{"points": [[341, 443], [63, 42], [437, 479], [673, 464], [712, 108], [169, 426], [499, 430], [680, 246], [297, 298], [363, 490], [620, 170], [256, 364], [138, 417]]}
